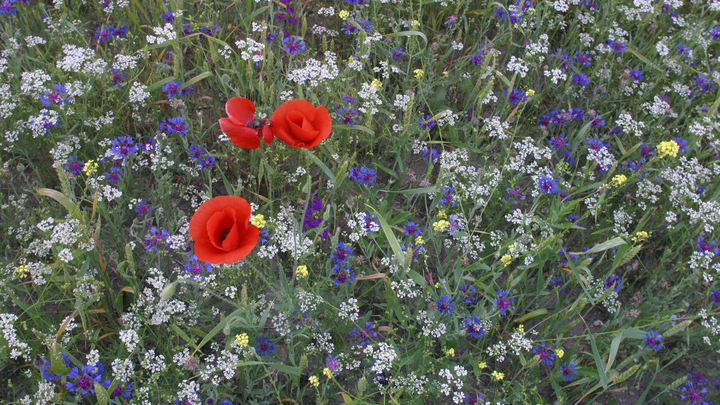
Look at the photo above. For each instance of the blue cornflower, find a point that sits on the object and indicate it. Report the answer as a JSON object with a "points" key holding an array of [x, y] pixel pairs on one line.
{"points": [[454, 224], [187, 29], [209, 31], [371, 222], [596, 144], [467, 291], [197, 268], [426, 122], [580, 79], [567, 371], [617, 47], [410, 229], [207, 162], [121, 390], [226, 403], [566, 256], [474, 327], [116, 77], [445, 305], [83, 381], [682, 143], [695, 393], [597, 121], [142, 208], [682, 49], [293, 45], [544, 353], [264, 346], [270, 37], [342, 253], [313, 217], [155, 238], [168, 16], [120, 31], [197, 152], [103, 34], [583, 58], [365, 333], [172, 88], [706, 247], [74, 165], [430, 155], [715, 296], [559, 142], [653, 340], [363, 175], [48, 372], [7, 8], [348, 115], [614, 281], [479, 56], [333, 363], [59, 96], [448, 195], [398, 53], [557, 282], [636, 74], [350, 28], [114, 175], [548, 185], [516, 96], [715, 33], [415, 250], [123, 146], [298, 317], [503, 301], [176, 125], [343, 274]]}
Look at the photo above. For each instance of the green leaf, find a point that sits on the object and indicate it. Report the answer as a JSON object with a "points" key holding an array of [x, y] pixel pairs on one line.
{"points": [[196, 79], [392, 240], [281, 367], [102, 396], [533, 314], [598, 362], [409, 34], [614, 346], [321, 165], [422, 190], [604, 246], [356, 127], [62, 199], [158, 85], [218, 328]]}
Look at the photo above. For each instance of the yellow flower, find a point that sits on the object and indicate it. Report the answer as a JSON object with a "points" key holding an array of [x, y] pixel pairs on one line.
{"points": [[512, 247], [530, 93], [446, 74], [22, 270], [415, 24], [442, 214], [242, 340], [259, 221], [506, 259], [343, 14], [419, 240], [90, 167], [314, 380], [301, 271], [618, 180], [327, 372], [440, 225], [376, 84], [640, 236], [437, 285], [521, 328], [668, 148], [449, 352], [560, 353], [419, 73], [497, 376], [482, 365]]}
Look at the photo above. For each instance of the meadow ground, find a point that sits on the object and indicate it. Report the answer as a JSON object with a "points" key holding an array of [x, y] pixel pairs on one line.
{"points": [[359, 202]]}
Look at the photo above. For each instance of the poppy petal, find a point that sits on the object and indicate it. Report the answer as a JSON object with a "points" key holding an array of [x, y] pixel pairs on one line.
{"points": [[241, 136], [246, 244], [300, 127], [219, 226], [323, 124], [267, 134], [240, 110]]}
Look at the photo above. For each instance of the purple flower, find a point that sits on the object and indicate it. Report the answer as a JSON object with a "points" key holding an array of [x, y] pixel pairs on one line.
{"points": [[694, 393], [503, 302], [445, 305], [454, 224], [74, 165], [415, 250], [116, 77], [293, 45], [365, 333], [83, 381], [581, 79], [371, 222], [172, 88], [410, 229], [363, 175], [682, 49], [474, 327], [143, 208], [176, 125], [636, 75], [653, 340], [123, 146], [516, 96], [479, 56], [103, 34], [332, 363], [121, 390], [350, 28], [548, 185], [559, 142], [683, 144], [430, 155], [209, 31], [557, 282], [567, 371], [597, 121], [342, 253], [583, 58], [348, 115], [398, 53], [155, 239], [48, 372], [7, 8], [197, 268], [342, 274], [614, 282], [448, 195], [264, 346], [544, 353], [706, 247], [58, 97], [617, 47], [114, 175], [168, 16], [426, 122], [715, 296]]}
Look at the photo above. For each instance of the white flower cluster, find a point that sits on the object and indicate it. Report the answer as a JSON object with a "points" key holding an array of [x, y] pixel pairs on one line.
{"points": [[350, 310], [162, 34], [622, 221], [525, 149], [684, 179], [316, 73], [328, 11], [224, 365], [659, 107], [496, 128], [125, 62], [498, 350], [32, 41], [100, 122], [518, 66], [603, 157], [405, 288], [33, 83], [629, 125], [138, 95], [155, 364], [401, 101], [647, 193], [448, 117], [556, 75], [77, 59], [123, 370], [130, 338], [250, 49], [7, 105], [453, 382], [610, 302], [410, 383], [308, 301], [188, 393], [383, 356], [17, 348], [371, 99], [431, 327], [322, 342]]}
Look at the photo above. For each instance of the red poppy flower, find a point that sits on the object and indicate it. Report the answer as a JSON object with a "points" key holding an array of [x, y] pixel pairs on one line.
{"points": [[300, 124], [243, 129], [221, 230]]}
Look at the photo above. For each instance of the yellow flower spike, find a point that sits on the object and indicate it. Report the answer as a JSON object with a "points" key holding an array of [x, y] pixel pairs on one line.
{"points": [[90, 167], [497, 376], [419, 73], [560, 353], [327, 372], [343, 14], [641, 236], [259, 221], [521, 328], [530, 93], [242, 340], [449, 352], [618, 180], [419, 240], [482, 365], [512, 247], [668, 148], [415, 24], [301, 271], [314, 381], [442, 215], [506, 259], [439, 226], [22, 270], [376, 84], [437, 285]]}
